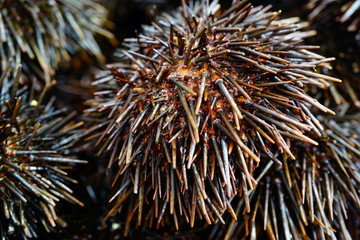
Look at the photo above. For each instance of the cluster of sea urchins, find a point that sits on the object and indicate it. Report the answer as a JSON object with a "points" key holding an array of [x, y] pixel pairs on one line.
{"points": [[34, 154], [197, 102], [42, 34]]}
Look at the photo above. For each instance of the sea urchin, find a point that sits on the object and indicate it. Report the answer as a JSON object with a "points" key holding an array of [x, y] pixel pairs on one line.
{"points": [[34, 154], [48, 31], [194, 104]]}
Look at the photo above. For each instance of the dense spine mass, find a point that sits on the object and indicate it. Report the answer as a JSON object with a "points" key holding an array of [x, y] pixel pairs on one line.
{"points": [[196, 102], [34, 155]]}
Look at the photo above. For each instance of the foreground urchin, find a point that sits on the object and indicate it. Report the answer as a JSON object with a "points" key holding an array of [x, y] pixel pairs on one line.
{"points": [[49, 31], [195, 103], [34, 155]]}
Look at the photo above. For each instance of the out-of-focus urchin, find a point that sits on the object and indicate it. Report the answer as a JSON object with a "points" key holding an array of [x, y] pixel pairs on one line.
{"points": [[34, 156], [197, 100], [336, 21], [49, 31], [315, 197], [344, 11]]}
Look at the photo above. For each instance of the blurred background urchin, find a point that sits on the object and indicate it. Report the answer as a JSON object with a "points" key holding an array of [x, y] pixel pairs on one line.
{"points": [[36, 143], [43, 35]]}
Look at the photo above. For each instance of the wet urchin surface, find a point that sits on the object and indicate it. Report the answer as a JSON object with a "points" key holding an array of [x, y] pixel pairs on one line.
{"points": [[197, 100]]}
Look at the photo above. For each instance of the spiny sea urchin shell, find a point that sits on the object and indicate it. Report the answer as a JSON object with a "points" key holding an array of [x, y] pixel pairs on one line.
{"points": [[310, 198], [198, 99], [34, 154], [48, 31]]}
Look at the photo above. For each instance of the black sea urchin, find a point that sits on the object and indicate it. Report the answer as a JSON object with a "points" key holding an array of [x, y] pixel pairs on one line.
{"points": [[34, 154], [310, 198], [195, 103], [48, 31]]}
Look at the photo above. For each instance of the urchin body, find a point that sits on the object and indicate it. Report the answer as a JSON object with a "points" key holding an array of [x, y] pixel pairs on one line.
{"points": [[195, 103]]}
